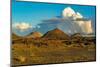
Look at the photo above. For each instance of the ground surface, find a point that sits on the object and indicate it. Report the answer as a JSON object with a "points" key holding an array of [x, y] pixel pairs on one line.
{"points": [[51, 51]]}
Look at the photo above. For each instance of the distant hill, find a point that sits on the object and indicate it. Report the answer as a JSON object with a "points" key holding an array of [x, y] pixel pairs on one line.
{"points": [[56, 34], [34, 35], [14, 36], [76, 36]]}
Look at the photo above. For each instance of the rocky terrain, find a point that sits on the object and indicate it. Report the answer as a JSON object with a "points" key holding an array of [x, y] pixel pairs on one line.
{"points": [[53, 47]]}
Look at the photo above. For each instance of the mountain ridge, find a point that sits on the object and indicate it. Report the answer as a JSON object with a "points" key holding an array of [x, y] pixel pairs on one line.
{"points": [[56, 34]]}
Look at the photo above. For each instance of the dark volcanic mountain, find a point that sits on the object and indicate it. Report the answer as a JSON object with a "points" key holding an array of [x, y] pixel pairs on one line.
{"points": [[76, 36], [56, 34]]}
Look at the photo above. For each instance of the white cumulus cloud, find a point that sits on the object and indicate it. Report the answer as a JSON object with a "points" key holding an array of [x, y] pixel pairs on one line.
{"points": [[88, 27], [81, 25], [77, 15], [85, 26], [68, 12], [22, 26]]}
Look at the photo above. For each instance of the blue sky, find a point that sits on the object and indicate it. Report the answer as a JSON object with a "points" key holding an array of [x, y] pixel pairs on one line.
{"points": [[34, 13]]}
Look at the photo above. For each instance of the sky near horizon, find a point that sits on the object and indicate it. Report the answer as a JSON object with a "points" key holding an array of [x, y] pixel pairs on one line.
{"points": [[34, 12]]}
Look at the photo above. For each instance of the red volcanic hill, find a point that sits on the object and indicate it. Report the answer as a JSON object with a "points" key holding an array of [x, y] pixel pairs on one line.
{"points": [[34, 35], [56, 34]]}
